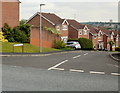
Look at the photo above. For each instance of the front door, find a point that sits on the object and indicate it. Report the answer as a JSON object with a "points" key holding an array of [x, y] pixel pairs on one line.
{"points": [[100, 46]]}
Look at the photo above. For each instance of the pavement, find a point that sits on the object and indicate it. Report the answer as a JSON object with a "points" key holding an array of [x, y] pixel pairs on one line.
{"points": [[63, 71], [115, 56]]}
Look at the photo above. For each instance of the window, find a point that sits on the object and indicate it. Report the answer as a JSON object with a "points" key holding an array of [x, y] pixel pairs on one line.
{"points": [[111, 36], [80, 32], [58, 27], [64, 27], [94, 37], [99, 34], [85, 32]]}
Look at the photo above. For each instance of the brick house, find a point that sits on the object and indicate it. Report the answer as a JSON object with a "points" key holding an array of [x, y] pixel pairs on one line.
{"points": [[9, 10], [75, 28], [109, 35], [49, 20], [99, 35]]}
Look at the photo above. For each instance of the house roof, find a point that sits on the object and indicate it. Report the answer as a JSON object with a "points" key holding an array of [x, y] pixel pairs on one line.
{"points": [[53, 18], [115, 32], [75, 24], [104, 30], [50, 17], [93, 30]]}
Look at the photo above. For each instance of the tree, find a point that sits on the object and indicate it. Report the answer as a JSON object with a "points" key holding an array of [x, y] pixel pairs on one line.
{"points": [[26, 29], [22, 21], [20, 36], [111, 43], [8, 33]]}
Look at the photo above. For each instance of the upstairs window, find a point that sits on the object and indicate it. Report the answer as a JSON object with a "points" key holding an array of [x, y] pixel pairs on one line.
{"points": [[57, 27], [85, 32], [64, 27], [111, 36], [80, 32], [99, 34]]}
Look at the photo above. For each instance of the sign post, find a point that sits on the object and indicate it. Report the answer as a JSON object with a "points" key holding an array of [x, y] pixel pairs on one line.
{"points": [[18, 45]]}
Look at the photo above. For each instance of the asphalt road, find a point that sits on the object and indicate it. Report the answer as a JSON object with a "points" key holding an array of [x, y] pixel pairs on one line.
{"points": [[72, 71]]}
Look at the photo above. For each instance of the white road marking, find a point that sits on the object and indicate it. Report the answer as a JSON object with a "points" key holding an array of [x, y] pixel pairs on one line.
{"points": [[116, 66], [93, 72], [85, 54], [57, 69], [73, 70], [76, 56], [57, 65], [116, 74]]}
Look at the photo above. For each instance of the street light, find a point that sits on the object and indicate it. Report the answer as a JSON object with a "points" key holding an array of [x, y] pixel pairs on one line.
{"points": [[41, 28]]}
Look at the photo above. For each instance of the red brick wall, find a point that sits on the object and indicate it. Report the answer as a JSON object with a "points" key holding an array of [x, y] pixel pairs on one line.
{"points": [[10, 13], [90, 36], [72, 33], [105, 41], [64, 32], [47, 38], [0, 14]]}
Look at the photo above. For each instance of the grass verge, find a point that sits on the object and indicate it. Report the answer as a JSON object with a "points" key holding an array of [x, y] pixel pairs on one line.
{"points": [[28, 48]]}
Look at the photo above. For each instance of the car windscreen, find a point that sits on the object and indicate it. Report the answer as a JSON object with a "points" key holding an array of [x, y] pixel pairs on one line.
{"points": [[69, 43]]}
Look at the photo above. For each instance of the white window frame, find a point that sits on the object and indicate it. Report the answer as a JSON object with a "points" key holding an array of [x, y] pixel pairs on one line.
{"points": [[66, 28], [57, 27], [80, 32], [111, 37], [117, 38], [85, 32]]}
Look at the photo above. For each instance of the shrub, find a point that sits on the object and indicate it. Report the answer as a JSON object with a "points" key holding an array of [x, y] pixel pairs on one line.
{"points": [[86, 44], [58, 44], [117, 49], [111, 43], [19, 35], [2, 38], [8, 33]]}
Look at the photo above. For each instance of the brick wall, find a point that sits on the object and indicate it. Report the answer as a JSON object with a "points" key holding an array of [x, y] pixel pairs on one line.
{"points": [[0, 14], [72, 33], [105, 41], [47, 38], [10, 13]]}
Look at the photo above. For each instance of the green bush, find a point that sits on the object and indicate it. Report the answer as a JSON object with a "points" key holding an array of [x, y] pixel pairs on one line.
{"points": [[20, 36], [8, 33], [58, 44], [86, 44], [17, 34], [117, 49]]}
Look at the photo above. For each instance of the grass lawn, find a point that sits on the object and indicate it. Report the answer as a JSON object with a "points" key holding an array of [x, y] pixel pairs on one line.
{"points": [[28, 48]]}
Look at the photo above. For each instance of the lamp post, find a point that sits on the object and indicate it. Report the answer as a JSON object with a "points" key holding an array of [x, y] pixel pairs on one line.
{"points": [[41, 28]]}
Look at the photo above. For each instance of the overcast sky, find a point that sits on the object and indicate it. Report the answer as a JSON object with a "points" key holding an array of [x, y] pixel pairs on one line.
{"points": [[81, 11]]}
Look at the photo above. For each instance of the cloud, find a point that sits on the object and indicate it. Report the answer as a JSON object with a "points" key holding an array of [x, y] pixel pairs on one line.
{"points": [[82, 11]]}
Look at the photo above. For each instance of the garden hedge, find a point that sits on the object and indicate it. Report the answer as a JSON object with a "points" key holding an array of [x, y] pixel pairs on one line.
{"points": [[86, 44]]}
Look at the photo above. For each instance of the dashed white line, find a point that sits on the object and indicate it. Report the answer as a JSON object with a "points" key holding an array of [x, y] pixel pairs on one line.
{"points": [[93, 72], [61, 69], [73, 70], [76, 56], [116, 74], [57, 65], [85, 54]]}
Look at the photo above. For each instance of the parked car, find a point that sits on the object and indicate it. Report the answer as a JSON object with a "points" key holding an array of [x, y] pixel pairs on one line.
{"points": [[73, 44]]}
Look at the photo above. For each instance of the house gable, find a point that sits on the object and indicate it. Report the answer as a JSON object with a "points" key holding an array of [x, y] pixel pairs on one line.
{"points": [[65, 22], [41, 16]]}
